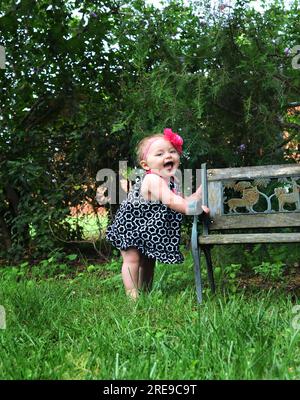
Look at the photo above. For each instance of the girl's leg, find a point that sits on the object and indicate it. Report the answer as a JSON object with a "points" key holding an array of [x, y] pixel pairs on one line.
{"points": [[146, 273], [130, 271]]}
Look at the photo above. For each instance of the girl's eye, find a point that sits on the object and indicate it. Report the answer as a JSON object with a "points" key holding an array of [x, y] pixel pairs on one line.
{"points": [[159, 154]]}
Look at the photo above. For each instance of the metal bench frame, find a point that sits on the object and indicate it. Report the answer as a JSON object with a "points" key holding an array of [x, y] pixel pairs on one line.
{"points": [[212, 195]]}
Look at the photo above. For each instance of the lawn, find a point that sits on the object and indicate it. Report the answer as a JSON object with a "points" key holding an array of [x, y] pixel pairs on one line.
{"points": [[82, 326]]}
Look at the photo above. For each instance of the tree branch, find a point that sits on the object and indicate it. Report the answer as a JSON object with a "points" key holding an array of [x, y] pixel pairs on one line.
{"points": [[290, 125], [284, 79]]}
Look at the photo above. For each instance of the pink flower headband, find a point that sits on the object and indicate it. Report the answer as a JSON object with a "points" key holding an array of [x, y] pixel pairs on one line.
{"points": [[172, 137]]}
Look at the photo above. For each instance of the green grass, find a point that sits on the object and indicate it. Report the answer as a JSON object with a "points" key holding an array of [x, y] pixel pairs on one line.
{"points": [[85, 328]]}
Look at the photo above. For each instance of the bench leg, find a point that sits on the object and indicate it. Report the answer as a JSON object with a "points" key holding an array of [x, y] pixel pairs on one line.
{"points": [[196, 258], [210, 273], [198, 281]]}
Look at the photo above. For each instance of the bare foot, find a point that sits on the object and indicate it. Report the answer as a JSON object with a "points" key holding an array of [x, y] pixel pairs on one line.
{"points": [[133, 294]]}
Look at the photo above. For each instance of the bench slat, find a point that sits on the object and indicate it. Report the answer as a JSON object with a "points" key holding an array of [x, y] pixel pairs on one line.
{"points": [[238, 221], [263, 171], [250, 238]]}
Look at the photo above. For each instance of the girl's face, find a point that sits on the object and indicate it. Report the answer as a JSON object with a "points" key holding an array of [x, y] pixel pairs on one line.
{"points": [[162, 158]]}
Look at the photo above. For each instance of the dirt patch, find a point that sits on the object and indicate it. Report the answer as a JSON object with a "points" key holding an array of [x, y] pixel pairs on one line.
{"points": [[290, 282]]}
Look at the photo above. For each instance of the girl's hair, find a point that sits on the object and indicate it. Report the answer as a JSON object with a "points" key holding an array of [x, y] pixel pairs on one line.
{"points": [[142, 144]]}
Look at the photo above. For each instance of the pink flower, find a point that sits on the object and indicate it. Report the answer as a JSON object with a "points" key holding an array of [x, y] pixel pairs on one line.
{"points": [[174, 138]]}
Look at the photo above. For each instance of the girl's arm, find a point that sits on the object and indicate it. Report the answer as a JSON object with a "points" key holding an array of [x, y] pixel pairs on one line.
{"points": [[159, 190]]}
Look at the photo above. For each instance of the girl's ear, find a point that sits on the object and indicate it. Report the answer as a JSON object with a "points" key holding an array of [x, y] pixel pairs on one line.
{"points": [[144, 165]]}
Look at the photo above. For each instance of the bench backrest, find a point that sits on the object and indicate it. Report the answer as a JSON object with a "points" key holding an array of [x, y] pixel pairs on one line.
{"points": [[253, 197]]}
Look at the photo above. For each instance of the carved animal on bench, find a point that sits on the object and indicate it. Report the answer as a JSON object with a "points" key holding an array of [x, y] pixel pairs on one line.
{"points": [[249, 199], [287, 198]]}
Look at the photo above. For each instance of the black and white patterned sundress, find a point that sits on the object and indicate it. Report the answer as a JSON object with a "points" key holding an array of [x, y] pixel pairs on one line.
{"points": [[149, 226]]}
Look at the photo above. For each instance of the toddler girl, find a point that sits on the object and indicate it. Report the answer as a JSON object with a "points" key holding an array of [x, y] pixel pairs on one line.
{"points": [[147, 225]]}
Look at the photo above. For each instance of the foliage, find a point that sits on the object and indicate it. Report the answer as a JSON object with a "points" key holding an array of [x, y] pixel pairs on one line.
{"points": [[231, 273], [252, 255], [56, 96], [85, 80], [57, 265], [222, 80], [268, 271]]}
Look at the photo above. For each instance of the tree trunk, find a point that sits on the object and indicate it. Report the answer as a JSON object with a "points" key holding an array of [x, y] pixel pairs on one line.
{"points": [[5, 232], [13, 198]]}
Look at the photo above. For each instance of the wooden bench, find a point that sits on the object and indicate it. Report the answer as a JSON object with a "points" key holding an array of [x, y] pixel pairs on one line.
{"points": [[243, 199]]}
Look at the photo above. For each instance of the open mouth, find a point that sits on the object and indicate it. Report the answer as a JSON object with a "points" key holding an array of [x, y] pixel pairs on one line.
{"points": [[169, 165]]}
